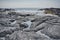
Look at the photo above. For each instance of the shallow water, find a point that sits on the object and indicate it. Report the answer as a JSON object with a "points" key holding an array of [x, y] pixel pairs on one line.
{"points": [[28, 23]]}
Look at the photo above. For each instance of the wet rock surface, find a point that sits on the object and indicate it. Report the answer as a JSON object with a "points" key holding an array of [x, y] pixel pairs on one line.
{"points": [[19, 27]]}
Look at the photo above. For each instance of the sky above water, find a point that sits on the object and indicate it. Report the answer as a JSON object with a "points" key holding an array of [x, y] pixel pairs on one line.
{"points": [[29, 3]]}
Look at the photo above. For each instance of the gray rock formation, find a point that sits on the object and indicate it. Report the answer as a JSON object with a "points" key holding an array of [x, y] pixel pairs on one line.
{"points": [[42, 28], [50, 26], [20, 35]]}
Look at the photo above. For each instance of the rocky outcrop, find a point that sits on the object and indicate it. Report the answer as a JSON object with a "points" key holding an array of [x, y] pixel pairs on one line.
{"points": [[20, 35], [14, 26], [50, 25]]}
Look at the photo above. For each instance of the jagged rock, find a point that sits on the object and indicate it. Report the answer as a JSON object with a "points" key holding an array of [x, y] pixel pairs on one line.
{"points": [[20, 35], [51, 26], [4, 33], [7, 30], [22, 26], [47, 25]]}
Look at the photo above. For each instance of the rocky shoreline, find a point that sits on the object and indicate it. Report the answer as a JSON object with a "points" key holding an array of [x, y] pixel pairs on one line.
{"points": [[18, 26]]}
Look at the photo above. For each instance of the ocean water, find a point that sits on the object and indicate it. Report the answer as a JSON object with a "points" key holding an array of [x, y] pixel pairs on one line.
{"points": [[27, 9]]}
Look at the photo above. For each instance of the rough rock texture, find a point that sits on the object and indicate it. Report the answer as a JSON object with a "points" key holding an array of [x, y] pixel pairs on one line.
{"points": [[42, 28], [51, 26], [27, 36]]}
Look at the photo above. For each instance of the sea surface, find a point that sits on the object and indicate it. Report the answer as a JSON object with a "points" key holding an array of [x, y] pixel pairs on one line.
{"points": [[28, 9]]}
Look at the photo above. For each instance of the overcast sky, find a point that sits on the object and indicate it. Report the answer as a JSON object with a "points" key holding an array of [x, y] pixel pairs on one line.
{"points": [[29, 3]]}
